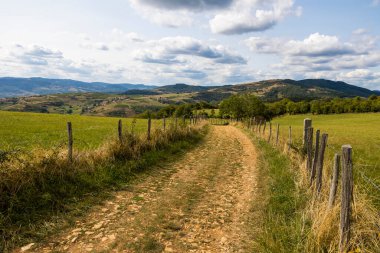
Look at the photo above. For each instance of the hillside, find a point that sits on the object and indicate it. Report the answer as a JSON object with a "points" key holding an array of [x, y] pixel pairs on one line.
{"points": [[123, 100], [272, 90], [181, 88], [17, 87]]}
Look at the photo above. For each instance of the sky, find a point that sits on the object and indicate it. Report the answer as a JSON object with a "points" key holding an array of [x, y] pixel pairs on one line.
{"points": [[198, 42]]}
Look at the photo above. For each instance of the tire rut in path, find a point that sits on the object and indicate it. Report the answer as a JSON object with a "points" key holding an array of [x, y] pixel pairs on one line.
{"points": [[200, 203]]}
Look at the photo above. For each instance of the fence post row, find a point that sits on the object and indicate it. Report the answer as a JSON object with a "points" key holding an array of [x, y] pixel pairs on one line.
{"points": [[290, 138], [315, 166], [270, 132], [265, 126], [277, 133], [334, 180], [321, 156], [306, 125], [70, 142], [261, 122], [120, 131], [309, 149], [347, 191], [149, 127], [316, 153]]}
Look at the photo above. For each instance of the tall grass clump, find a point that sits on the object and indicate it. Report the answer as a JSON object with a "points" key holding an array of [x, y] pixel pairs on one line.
{"points": [[38, 187], [282, 228], [317, 223]]}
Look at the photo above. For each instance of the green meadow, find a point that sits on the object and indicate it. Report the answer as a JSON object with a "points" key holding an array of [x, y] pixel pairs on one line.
{"points": [[361, 131], [19, 130]]}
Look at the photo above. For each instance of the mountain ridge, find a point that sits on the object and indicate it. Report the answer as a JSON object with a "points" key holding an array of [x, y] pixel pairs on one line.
{"points": [[18, 87], [269, 90]]}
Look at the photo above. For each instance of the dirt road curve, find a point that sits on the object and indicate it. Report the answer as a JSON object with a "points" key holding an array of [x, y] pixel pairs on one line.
{"points": [[200, 203]]}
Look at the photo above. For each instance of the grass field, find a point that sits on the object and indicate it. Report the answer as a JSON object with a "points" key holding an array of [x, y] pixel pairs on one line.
{"points": [[19, 130], [361, 131]]}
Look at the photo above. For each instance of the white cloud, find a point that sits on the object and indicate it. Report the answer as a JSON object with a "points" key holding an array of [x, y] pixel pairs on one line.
{"points": [[164, 17], [175, 50], [314, 45], [359, 73], [36, 60], [320, 52], [252, 16], [225, 16], [362, 77]]}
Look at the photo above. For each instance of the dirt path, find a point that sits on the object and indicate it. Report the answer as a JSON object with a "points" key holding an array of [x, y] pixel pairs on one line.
{"points": [[200, 203]]}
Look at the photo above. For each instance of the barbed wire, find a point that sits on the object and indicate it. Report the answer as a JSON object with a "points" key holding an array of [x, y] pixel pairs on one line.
{"points": [[370, 181]]}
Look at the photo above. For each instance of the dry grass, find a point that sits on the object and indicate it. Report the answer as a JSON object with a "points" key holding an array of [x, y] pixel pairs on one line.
{"points": [[41, 183], [321, 223]]}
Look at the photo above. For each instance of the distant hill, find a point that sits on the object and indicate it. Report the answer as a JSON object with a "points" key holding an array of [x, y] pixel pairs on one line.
{"points": [[268, 90], [122, 100], [17, 87], [181, 88], [272, 90]]}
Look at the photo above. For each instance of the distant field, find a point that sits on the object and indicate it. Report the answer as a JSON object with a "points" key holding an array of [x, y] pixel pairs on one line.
{"points": [[28, 130], [359, 130]]}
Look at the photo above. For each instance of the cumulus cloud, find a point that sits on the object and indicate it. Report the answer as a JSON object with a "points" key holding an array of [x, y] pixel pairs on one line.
{"points": [[362, 77], [252, 16], [225, 16], [320, 52], [314, 45], [35, 55], [171, 50], [36, 60], [165, 17], [324, 56]]}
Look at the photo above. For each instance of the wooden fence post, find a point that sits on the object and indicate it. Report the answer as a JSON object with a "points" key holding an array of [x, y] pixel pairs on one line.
{"points": [[309, 149], [321, 157], [347, 193], [120, 131], [290, 138], [277, 133], [270, 132], [70, 141], [260, 126], [316, 153], [164, 122], [176, 122], [306, 124], [149, 127], [334, 180], [265, 126]]}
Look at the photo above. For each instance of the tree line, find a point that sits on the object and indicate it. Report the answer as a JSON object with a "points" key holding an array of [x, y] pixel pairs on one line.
{"points": [[183, 110], [326, 106], [248, 105]]}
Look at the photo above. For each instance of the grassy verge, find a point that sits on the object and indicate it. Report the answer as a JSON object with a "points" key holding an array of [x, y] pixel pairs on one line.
{"points": [[310, 226], [283, 227], [41, 192]]}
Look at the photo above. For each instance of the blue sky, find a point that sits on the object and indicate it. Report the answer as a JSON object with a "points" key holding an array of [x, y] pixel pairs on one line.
{"points": [[200, 42]]}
